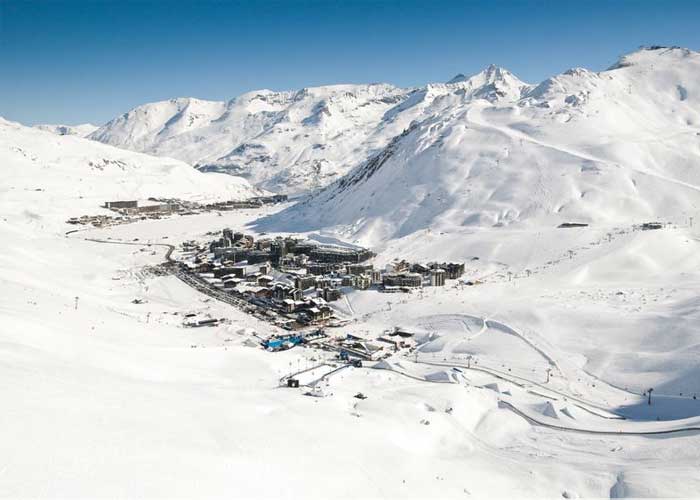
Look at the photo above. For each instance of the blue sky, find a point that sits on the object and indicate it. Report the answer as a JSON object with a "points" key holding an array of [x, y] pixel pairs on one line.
{"points": [[74, 62]]}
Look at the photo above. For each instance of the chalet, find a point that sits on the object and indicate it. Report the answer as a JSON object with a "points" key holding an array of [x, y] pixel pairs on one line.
{"points": [[288, 305], [252, 277], [201, 267], [319, 313], [317, 302], [265, 280], [231, 282], [259, 292]]}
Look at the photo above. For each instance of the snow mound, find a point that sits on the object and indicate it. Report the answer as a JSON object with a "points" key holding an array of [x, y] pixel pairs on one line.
{"points": [[459, 338], [549, 410], [383, 365], [439, 376], [493, 387]]}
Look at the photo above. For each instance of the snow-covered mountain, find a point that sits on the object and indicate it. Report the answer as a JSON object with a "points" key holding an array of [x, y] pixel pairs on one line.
{"points": [[614, 146], [82, 130], [48, 178], [546, 364], [294, 141]]}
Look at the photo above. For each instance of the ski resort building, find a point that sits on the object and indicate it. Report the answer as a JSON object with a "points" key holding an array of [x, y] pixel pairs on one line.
{"points": [[330, 294], [305, 282], [116, 205], [453, 270], [402, 280], [437, 277]]}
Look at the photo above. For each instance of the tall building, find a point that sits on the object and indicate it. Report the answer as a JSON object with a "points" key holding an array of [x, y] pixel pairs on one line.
{"points": [[437, 277]]}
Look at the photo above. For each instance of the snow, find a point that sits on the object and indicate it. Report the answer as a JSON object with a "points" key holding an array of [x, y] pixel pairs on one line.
{"points": [[531, 383], [297, 141], [82, 130], [294, 141], [621, 150], [67, 176]]}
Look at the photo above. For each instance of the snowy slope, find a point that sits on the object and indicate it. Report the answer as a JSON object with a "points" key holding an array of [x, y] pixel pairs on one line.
{"points": [[282, 140], [294, 141], [617, 146], [108, 397], [48, 178], [95, 382], [493, 181], [81, 130]]}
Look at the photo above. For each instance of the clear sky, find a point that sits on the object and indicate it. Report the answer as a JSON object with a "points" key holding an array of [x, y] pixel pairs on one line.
{"points": [[74, 62]]}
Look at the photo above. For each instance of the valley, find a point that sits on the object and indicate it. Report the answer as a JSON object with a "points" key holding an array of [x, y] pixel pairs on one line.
{"points": [[469, 288], [484, 355]]}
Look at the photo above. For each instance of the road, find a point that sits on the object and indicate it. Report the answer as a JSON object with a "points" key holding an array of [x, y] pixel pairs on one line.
{"points": [[192, 280], [168, 253]]}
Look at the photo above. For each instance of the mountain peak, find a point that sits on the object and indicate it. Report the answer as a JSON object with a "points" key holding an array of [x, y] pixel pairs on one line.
{"points": [[496, 72], [459, 77], [489, 74], [493, 83]]}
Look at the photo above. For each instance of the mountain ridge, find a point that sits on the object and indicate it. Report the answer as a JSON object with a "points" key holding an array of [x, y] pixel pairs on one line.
{"points": [[617, 146], [53, 177], [293, 141]]}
